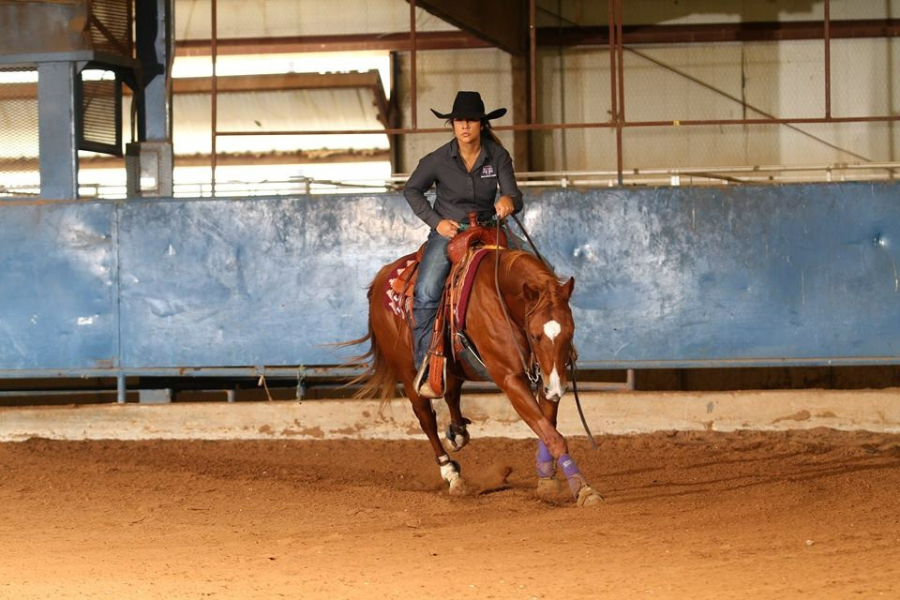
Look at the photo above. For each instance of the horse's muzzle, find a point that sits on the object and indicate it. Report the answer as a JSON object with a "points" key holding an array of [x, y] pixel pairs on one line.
{"points": [[554, 388]]}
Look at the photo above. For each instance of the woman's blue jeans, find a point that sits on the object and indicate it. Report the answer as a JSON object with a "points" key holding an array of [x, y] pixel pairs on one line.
{"points": [[433, 271]]}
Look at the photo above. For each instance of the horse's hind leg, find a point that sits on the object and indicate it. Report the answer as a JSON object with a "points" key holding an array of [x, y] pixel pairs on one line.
{"points": [[428, 421], [457, 434]]}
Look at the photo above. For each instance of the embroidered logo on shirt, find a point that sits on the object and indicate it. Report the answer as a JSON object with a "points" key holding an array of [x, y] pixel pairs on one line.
{"points": [[487, 171]]}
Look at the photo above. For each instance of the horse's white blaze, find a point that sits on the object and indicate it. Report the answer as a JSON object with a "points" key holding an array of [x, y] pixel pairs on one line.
{"points": [[554, 390], [551, 330]]}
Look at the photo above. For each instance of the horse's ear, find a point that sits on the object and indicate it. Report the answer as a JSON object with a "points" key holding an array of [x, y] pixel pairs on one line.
{"points": [[567, 288], [530, 292]]}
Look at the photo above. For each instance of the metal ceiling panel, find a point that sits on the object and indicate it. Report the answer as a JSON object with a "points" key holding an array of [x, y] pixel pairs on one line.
{"points": [[277, 18], [257, 103]]}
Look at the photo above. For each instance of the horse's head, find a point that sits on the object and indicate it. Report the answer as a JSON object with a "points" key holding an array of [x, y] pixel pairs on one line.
{"points": [[550, 329]]}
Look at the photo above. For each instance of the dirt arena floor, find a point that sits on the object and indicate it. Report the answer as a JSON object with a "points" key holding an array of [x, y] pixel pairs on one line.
{"points": [[697, 516]]}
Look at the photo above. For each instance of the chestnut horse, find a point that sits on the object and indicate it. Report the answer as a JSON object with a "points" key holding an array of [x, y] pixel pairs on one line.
{"points": [[533, 341]]}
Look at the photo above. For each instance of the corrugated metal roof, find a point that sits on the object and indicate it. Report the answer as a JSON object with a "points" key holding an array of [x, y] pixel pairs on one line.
{"points": [[257, 103], [277, 111]]}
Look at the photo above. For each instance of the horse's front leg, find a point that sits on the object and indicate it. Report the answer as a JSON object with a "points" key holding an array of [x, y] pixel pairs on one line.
{"points": [[542, 420], [457, 434], [548, 484]]}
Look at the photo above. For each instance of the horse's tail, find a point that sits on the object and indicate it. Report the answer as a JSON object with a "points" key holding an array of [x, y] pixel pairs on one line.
{"points": [[379, 379]]}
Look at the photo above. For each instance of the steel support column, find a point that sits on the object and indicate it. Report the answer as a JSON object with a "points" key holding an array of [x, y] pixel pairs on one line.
{"points": [[155, 51], [827, 59], [56, 129], [150, 162], [214, 93]]}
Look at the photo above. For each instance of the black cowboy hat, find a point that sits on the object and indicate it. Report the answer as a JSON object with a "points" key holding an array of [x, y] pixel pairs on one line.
{"points": [[468, 105]]}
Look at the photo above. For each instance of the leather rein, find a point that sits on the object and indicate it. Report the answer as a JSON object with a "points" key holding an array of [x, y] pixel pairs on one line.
{"points": [[532, 372]]}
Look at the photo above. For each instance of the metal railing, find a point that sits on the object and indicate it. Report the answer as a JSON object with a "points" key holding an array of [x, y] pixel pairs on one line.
{"points": [[536, 180]]}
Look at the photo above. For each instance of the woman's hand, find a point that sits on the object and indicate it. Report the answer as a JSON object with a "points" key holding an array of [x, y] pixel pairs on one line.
{"points": [[504, 207], [447, 228]]}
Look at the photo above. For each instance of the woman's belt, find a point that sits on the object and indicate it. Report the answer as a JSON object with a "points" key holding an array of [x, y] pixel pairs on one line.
{"points": [[492, 222]]}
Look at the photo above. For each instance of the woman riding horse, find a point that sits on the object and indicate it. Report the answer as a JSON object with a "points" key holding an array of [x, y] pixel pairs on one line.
{"points": [[466, 173], [519, 318]]}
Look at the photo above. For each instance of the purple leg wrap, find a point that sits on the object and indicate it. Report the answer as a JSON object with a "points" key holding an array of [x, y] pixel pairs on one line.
{"points": [[573, 474], [545, 466]]}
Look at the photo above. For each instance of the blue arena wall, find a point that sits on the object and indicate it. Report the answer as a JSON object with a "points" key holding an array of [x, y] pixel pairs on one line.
{"points": [[665, 277]]}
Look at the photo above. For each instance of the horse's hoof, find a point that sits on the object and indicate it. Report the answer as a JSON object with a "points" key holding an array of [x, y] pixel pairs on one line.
{"points": [[458, 437], [458, 487], [548, 486], [588, 497]]}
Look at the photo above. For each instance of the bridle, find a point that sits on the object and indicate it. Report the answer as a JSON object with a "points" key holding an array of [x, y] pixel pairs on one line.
{"points": [[532, 372]]}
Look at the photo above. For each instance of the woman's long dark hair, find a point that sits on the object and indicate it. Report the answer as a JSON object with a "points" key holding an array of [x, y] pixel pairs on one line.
{"points": [[486, 130]]}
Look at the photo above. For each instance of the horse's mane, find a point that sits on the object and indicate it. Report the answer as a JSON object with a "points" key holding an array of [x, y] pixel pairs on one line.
{"points": [[524, 267]]}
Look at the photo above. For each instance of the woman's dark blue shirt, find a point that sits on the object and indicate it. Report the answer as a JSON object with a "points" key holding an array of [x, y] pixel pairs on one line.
{"points": [[457, 192]]}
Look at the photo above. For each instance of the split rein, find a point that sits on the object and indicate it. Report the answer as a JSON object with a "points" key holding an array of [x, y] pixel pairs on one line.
{"points": [[532, 372]]}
